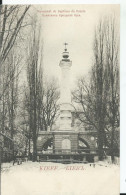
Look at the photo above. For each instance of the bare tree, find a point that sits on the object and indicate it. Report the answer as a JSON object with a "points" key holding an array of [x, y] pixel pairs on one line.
{"points": [[9, 99], [50, 105], [34, 75], [98, 83], [11, 22], [112, 81], [99, 99], [84, 101]]}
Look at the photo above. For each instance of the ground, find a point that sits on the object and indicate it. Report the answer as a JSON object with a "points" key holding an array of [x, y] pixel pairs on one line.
{"points": [[34, 178]]}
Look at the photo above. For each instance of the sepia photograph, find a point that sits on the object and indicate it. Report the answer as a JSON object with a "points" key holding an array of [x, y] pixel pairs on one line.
{"points": [[60, 99]]}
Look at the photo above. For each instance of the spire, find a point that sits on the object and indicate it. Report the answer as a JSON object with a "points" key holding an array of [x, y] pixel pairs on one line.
{"points": [[65, 54], [65, 46]]}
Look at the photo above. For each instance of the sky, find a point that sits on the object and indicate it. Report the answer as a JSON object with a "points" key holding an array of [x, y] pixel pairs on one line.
{"points": [[77, 31]]}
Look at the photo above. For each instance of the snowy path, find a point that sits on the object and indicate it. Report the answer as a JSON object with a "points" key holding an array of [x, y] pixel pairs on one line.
{"points": [[35, 179]]}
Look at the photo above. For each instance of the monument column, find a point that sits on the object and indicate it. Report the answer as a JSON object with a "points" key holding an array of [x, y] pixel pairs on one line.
{"points": [[65, 92]]}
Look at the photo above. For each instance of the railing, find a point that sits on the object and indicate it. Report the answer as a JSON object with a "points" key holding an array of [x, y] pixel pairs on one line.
{"points": [[68, 151]]}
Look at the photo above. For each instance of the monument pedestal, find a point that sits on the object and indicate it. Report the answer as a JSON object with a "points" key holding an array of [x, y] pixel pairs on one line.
{"points": [[65, 142]]}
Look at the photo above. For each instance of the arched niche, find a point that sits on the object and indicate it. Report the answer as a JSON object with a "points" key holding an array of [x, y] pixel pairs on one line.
{"points": [[48, 146], [83, 146], [66, 145]]}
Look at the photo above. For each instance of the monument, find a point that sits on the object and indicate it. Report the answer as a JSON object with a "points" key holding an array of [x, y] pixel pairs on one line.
{"points": [[66, 142], [65, 93]]}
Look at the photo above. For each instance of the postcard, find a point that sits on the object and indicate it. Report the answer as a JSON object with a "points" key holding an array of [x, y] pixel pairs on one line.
{"points": [[60, 99]]}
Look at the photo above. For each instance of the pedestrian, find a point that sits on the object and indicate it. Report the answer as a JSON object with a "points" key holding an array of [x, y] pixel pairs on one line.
{"points": [[14, 160]]}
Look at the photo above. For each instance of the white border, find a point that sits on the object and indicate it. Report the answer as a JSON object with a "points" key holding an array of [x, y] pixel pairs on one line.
{"points": [[123, 97], [61, 1], [122, 68]]}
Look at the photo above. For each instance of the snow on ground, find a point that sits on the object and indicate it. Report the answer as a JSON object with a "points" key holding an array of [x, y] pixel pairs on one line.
{"points": [[59, 179]]}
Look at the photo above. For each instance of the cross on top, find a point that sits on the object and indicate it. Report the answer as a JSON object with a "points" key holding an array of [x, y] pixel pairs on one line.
{"points": [[65, 46]]}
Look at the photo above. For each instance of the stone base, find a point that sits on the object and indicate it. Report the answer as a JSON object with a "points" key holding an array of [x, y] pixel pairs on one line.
{"points": [[65, 141]]}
